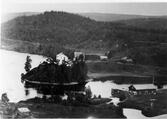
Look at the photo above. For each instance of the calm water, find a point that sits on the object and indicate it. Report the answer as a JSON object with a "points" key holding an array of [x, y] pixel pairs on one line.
{"points": [[12, 65]]}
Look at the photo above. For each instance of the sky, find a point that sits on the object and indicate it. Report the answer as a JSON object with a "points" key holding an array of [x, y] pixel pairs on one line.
{"points": [[146, 7]]}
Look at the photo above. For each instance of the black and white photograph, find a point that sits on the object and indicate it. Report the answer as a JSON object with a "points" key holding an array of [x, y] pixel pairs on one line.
{"points": [[83, 59]]}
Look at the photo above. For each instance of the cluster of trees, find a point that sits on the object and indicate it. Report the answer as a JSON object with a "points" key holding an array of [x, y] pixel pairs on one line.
{"points": [[152, 55], [28, 64], [53, 72]]}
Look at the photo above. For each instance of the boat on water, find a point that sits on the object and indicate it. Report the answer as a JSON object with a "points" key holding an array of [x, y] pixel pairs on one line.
{"points": [[52, 78]]}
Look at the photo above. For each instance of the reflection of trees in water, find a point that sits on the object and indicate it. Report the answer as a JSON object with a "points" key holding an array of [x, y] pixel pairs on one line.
{"points": [[160, 77], [55, 90], [51, 78], [27, 92]]}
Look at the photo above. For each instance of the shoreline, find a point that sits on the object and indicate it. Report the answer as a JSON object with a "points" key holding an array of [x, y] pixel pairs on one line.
{"points": [[40, 108], [151, 105]]}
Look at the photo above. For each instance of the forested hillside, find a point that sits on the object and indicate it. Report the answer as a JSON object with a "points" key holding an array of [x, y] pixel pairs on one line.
{"points": [[142, 40], [156, 23]]}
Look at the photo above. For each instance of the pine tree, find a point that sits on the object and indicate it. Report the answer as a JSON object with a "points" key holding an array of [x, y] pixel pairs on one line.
{"points": [[28, 64]]}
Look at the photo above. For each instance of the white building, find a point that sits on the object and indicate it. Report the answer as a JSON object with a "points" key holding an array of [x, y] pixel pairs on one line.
{"points": [[127, 59], [61, 56], [103, 57]]}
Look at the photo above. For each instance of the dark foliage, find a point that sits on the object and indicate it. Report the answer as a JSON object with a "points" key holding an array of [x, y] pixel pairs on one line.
{"points": [[53, 72], [28, 64], [54, 30]]}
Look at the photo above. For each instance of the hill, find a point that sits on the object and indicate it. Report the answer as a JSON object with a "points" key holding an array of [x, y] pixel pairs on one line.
{"points": [[142, 40], [111, 17], [60, 27], [95, 16], [156, 23]]}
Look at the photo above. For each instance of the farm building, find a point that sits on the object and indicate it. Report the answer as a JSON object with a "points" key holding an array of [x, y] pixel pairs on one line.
{"points": [[61, 56]]}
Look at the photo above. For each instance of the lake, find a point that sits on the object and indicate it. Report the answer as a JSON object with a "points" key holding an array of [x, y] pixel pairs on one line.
{"points": [[12, 65]]}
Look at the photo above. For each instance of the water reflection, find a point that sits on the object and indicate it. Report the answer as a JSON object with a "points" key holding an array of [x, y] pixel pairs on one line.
{"points": [[16, 93], [98, 88], [27, 92], [91, 117]]}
